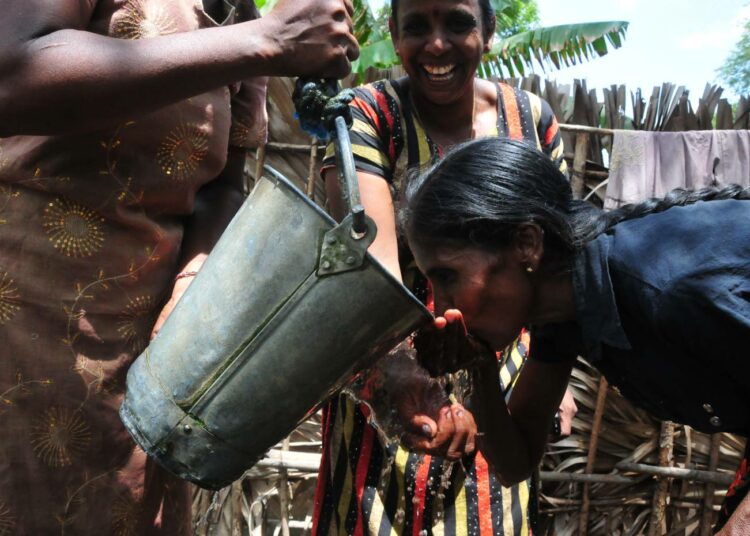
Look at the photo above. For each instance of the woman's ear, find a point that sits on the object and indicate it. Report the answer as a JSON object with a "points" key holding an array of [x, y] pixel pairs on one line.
{"points": [[529, 245]]}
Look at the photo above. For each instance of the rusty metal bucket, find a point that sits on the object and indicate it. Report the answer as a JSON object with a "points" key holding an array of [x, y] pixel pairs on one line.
{"points": [[286, 309]]}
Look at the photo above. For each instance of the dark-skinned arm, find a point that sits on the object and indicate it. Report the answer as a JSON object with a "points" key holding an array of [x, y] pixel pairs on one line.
{"points": [[215, 206], [56, 77], [515, 434]]}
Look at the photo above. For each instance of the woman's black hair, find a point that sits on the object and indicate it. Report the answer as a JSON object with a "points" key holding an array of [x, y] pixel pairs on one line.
{"points": [[484, 189], [488, 15]]}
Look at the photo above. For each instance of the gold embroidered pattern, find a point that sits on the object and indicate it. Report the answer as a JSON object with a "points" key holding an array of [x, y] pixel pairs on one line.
{"points": [[7, 521], [180, 154], [9, 298], [92, 372], [59, 435], [125, 514], [134, 325], [73, 229], [142, 19], [6, 194], [239, 133]]}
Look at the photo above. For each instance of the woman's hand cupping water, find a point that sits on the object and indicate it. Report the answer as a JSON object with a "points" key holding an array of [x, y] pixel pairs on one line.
{"points": [[447, 346], [443, 348]]}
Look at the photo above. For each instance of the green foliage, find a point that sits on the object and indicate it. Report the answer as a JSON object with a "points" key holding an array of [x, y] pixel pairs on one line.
{"points": [[515, 16], [735, 71], [554, 46]]}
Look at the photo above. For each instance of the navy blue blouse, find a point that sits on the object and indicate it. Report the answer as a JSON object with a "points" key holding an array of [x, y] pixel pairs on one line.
{"points": [[663, 310]]}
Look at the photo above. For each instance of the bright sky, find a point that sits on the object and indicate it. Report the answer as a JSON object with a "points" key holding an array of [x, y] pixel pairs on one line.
{"points": [[677, 41], [667, 41]]}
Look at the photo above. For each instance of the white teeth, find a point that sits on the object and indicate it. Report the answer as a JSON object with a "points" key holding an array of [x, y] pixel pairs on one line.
{"points": [[439, 69]]}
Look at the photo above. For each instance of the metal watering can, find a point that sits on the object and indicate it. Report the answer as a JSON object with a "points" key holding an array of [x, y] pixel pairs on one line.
{"points": [[286, 309]]}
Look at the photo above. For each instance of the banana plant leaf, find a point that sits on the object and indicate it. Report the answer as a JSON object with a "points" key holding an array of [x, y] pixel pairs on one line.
{"points": [[553, 46]]}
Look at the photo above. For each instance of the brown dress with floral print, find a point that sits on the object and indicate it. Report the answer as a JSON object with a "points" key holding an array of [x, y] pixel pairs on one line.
{"points": [[91, 227]]}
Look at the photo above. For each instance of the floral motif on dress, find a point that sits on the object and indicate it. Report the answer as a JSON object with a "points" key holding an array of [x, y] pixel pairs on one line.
{"points": [[7, 521], [59, 435], [136, 321], [9, 298], [182, 151], [125, 514], [142, 19], [73, 229]]}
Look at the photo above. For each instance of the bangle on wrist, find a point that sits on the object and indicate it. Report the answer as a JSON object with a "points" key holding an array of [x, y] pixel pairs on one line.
{"points": [[187, 273]]}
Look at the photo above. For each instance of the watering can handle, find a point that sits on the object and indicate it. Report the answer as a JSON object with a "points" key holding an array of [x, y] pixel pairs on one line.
{"points": [[347, 177], [323, 110]]}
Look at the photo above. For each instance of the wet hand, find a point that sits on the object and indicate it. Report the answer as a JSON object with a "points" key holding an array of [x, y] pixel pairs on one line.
{"points": [[313, 38], [452, 436], [446, 346]]}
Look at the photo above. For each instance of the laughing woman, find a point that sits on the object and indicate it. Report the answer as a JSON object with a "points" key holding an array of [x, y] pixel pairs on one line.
{"points": [[401, 124], [656, 295]]}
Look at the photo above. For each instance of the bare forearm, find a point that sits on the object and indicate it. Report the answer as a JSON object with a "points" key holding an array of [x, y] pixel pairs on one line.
{"points": [[516, 434], [74, 80], [502, 444]]}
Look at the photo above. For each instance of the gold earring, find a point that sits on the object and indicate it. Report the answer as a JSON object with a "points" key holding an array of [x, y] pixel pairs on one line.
{"points": [[529, 269]]}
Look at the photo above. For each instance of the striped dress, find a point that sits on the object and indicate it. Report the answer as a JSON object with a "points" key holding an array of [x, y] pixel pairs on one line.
{"points": [[363, 486]]}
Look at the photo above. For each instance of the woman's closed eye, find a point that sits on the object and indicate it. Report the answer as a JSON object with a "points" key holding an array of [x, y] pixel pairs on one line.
{"points": [[442, 277]]}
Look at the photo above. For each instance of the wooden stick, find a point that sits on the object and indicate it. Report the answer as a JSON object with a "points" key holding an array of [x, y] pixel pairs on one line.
{"points": [[567, 127], [712, 477], [577, 181], [312, 170], [661, 491], [284, 494], [707, 516], [677, 516], [555, 476], [607, 504], [292, 147], [601, 398]]}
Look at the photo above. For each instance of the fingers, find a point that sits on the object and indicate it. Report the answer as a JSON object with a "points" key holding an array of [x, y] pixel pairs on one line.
{"points": [[454, 315], [463, 441], [421, 433], [423, 426]]}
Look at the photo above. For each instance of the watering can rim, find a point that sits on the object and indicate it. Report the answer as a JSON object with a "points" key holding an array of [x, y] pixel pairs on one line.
{"points": [[277, 176]]}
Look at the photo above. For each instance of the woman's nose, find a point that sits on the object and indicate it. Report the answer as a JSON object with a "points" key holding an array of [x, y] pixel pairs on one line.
{"points": [[437, 44]]}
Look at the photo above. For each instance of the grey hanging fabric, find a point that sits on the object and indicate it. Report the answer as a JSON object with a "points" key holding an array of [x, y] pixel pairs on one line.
{"points": [[650, 164]]}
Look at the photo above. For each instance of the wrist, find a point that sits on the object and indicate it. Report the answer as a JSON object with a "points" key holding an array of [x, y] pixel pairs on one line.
{"points": [[265, 49]]}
